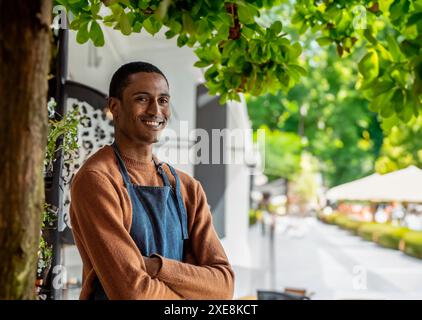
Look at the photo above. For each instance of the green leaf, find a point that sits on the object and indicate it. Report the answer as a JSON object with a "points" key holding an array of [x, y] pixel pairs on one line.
{"points": [[246, 13], [116, 9], [384, 5], [388, 123], [369, 66], [394, 48], [163, 9], [406, 114], [409, 48], [368, 35], [110, 18], [202, 64], [248, 32], [231, 44], [276, 27], [75, 24], [387, 110], [203, 30], [96, 34], [125, 26], [295, 50], [381, 100], [152, 25], [414, 19], [400, 76], [170, 34], [293, 74], [302, 71], [211, 73], [396, 10], [344, 23], [137, 27], [375, 104], [397, 100], [302, 28], [188, 24], [297, 18], [334, 13], [82, 35], [182, 40], [143, 4], [223, 98], [95, 8], [324, 41], [381, 87], [175, 26]]}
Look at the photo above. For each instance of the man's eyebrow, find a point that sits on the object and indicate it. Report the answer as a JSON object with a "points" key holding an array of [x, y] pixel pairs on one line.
{"points": [[165, 94]]}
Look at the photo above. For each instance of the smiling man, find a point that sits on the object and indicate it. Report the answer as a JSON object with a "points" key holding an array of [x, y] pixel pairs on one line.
{"points": [[144, 229]]}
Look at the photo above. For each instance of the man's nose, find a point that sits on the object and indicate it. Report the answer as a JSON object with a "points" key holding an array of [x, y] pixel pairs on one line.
{"points": [[154, 108]]}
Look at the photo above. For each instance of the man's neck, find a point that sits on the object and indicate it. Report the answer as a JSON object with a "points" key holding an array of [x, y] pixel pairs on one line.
{"points": [[140, 151]]}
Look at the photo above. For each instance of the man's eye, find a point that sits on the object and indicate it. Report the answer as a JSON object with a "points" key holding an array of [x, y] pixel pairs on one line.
{"points": [[142, 99], [164, 101]]}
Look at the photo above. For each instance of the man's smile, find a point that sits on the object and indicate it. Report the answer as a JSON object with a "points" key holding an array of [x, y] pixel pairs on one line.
{"points": [[153, 124]]}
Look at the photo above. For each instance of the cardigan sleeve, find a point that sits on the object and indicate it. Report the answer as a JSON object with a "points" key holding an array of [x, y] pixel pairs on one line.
{"points": [[100, 232], [205, 272]]}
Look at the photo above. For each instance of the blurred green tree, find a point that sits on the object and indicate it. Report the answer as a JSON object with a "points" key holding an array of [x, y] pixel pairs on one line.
{"points": [[390, 31], [334, 119], [402, 147], [282, 153]]}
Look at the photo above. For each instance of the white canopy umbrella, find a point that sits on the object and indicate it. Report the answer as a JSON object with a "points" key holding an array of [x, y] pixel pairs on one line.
{"points": [[402, 185], [354, 190]]}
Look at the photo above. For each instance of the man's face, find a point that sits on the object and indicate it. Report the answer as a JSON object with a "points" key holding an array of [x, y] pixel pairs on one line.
{"points": [[144, 109]]}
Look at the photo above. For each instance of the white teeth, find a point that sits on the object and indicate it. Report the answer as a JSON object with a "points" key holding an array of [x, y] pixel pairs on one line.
{"points": [[152, 123]]}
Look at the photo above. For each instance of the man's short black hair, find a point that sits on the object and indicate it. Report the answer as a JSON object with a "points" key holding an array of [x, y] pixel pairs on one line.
{"points": [[120, 78]]}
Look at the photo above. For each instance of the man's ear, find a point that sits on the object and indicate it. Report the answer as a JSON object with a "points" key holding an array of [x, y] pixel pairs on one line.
{"points": [[114, 107]]}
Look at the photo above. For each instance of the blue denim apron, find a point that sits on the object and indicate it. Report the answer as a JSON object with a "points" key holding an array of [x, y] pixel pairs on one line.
{"points": [[159, 220]]}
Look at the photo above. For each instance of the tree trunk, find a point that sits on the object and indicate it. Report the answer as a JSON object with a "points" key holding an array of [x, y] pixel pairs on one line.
{"points": [[24, 64]]}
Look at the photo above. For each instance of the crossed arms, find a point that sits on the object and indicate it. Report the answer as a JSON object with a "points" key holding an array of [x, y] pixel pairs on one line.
{"points": [[106, 245]]}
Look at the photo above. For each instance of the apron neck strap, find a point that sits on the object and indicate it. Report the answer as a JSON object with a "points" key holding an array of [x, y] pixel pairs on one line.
{"points": [[159, 167], [123, 170]]}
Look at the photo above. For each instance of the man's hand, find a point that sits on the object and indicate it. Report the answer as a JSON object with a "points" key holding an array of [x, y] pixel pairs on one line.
{"points": [[153, 265]]}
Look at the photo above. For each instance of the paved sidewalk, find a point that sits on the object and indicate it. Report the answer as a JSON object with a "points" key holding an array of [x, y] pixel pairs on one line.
{"points": [[320, 258], [328, 261]]}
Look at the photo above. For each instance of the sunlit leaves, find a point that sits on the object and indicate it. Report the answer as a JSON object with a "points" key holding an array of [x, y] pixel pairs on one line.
{"points": [[324, 41], [265, 60], [82, 35], [369, 66], [325, 107], [282, 153], [262, 60], [124, 24], [96, 34], [402, 145], [390, 30], [247, 12], [152, 24]]}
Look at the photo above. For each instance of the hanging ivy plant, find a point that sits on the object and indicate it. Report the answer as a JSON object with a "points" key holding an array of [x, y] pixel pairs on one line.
{"points": [[66, 128], [45, 249]]}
